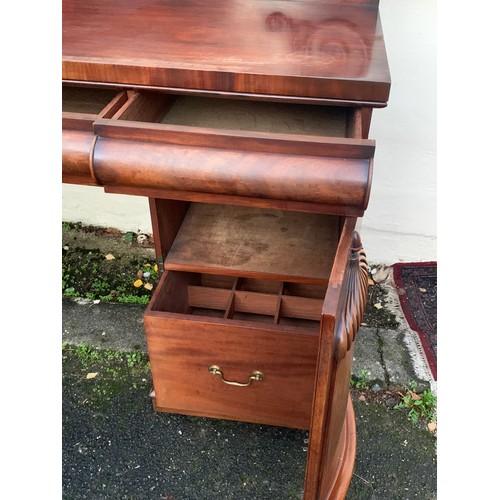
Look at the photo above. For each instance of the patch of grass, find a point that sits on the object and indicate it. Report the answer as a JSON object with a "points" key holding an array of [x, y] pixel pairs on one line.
{"points": [[135, 358]]}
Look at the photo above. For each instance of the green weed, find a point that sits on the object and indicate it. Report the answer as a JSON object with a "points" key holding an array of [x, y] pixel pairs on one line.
{"points": [[362, 381], [421, 406]]}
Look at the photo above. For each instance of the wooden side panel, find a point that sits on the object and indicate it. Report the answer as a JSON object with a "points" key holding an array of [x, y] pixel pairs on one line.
{"points": [[166, 219], [327, 476], [338, 396]]}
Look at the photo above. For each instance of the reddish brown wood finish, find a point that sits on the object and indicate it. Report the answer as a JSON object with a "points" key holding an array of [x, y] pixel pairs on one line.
{"points": [[182, 347], [331, 50], [322, 208], [166, 219], [301, 51], [346, 293], [78, 138], [77, 152], [132, 155], [272, 244], [345, 455], [232, 172]]}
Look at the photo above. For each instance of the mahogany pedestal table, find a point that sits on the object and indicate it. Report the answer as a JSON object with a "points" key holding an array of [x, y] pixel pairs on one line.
{"points": [[246, 126]]}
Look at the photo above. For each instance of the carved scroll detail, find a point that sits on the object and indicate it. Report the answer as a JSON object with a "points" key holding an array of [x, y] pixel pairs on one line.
{"points": [[356, 288]]}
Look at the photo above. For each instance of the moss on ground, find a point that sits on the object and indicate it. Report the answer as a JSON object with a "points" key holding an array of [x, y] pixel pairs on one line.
{"points": [[102, 374]]}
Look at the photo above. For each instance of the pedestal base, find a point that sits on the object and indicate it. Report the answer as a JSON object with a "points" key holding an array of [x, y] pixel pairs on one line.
{"points": [[347, 450]]}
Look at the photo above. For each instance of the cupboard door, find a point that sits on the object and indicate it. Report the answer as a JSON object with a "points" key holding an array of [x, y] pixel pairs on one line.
{"points": [[332, 440]]}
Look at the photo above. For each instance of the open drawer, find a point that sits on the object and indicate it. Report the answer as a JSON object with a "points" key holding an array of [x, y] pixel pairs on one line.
{"points": [[233, 328], [233, 348], [271, 154]]}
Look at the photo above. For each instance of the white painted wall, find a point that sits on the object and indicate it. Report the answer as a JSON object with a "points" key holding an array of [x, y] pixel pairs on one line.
{"points": [[400, 223]]}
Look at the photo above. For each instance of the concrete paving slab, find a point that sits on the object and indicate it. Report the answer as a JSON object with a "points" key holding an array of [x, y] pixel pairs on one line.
{"points": [[397, 361], [367, 358], [105, 325]]}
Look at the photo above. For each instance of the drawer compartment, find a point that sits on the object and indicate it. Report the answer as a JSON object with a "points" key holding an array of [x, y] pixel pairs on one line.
{"points": [[199, 323], [242, 293], [304, 157], [274, 244]]}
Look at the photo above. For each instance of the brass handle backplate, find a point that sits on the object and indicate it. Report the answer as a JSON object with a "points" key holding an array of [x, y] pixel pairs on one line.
{"points": [[256, 375]]}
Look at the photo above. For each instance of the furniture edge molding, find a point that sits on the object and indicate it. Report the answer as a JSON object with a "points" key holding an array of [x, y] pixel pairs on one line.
{"points": [[356, 291]]}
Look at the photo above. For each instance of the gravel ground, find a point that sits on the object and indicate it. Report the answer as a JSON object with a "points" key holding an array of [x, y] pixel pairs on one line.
{"points": [[116, 447]]}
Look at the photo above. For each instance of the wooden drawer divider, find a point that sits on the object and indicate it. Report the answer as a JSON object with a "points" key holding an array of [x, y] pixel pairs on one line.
{"points": [[233, 300]]}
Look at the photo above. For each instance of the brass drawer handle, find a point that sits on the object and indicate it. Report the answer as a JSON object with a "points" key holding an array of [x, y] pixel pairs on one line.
{"points": [[256, 375]]}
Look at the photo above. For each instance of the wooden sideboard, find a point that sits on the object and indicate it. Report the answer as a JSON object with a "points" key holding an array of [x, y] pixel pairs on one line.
{"points": [[246, 126]]}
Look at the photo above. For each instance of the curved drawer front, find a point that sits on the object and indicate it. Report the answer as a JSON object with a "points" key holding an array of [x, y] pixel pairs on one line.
{"points": [[81, 106], [285, 155], [76, 156], [278, 176]]}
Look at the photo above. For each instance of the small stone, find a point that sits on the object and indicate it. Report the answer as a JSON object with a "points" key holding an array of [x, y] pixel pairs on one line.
{"points": [[140, 273], [141, 238], [362, 398], [66, 247], [146, 274], [376, 388], [382, 274]]}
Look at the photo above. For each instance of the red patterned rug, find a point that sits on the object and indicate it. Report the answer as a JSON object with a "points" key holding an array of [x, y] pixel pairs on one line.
{"points": [[417, 289]]}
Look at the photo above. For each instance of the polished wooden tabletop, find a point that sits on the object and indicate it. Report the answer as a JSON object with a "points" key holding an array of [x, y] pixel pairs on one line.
{"points": [[305, 48]]}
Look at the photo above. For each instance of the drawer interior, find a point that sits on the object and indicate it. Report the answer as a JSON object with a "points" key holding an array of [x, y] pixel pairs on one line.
{"points": [[237, 114], [249, 264], [87, 100], [257, 116], [238, 298]]}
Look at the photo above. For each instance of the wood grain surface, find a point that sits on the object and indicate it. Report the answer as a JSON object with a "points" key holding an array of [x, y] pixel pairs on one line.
{"points": [[292, 246], [290, 48]]}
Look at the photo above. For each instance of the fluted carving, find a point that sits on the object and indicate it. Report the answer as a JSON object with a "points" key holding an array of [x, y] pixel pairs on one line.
{"points": [[351, 313]]}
